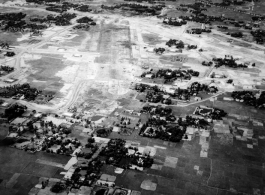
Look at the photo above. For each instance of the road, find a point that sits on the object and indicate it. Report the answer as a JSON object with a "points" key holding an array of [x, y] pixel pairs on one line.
{"points": [[29, 49]]}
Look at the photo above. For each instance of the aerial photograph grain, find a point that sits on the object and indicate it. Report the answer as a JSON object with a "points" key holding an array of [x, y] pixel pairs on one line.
{"points": [[132, 97]]}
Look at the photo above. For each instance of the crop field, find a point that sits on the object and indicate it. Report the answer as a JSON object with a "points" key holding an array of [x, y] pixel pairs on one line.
{"points": [[21, 172], [191, 174], [178, 168]]}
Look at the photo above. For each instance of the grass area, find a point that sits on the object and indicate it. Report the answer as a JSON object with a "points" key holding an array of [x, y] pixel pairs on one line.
{"points": [[151, 39], [47, 67], [76, 41], [10, 38], [218, 11], [177, 13]]}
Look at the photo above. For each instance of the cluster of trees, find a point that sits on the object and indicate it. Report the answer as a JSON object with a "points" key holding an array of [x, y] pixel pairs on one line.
{"points": [[204, 63], [114, 151], [103, 132], [171, 75], [173, 42], [84, 23], [15, 22], [214, 113], [58, 187], [24, 89], [159, 50], [14, 111], [155, 94], [83, 8], [40, 19], [7, 69], [92, 146], [62, 19], [149, 1], [249, 98], [86, 20], [168, 133], [236, 34], [59, 20], [60, 8], [82, 27], [63, 143], [230, 2], [92, 169], [192, 47], [258, 35], [191, 121], [198, 15], [198, 31], [193, 90], [17, 16], [117, 154], [228, 61], [125, 129], [138, 8], [43, 1], [12, 21], [174, 22], [4, 45], [162, 124], [10, 54]]}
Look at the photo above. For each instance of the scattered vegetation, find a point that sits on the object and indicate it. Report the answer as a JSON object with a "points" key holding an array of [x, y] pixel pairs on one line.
{"points": [[250, 98]]}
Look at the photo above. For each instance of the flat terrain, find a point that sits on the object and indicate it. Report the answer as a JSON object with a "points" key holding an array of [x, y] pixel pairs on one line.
{"points": [[20, 171], [93, 72]]}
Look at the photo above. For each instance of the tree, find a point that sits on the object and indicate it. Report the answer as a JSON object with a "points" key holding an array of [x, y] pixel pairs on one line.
{"points": [[91, 140]]}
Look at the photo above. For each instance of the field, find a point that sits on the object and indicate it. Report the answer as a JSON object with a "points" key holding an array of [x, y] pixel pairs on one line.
{"points": [[10, 38], [20, 171], [179, 169], [44, 68]]}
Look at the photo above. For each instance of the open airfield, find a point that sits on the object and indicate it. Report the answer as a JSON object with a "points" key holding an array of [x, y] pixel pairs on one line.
{"points": [[89, 81]]}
